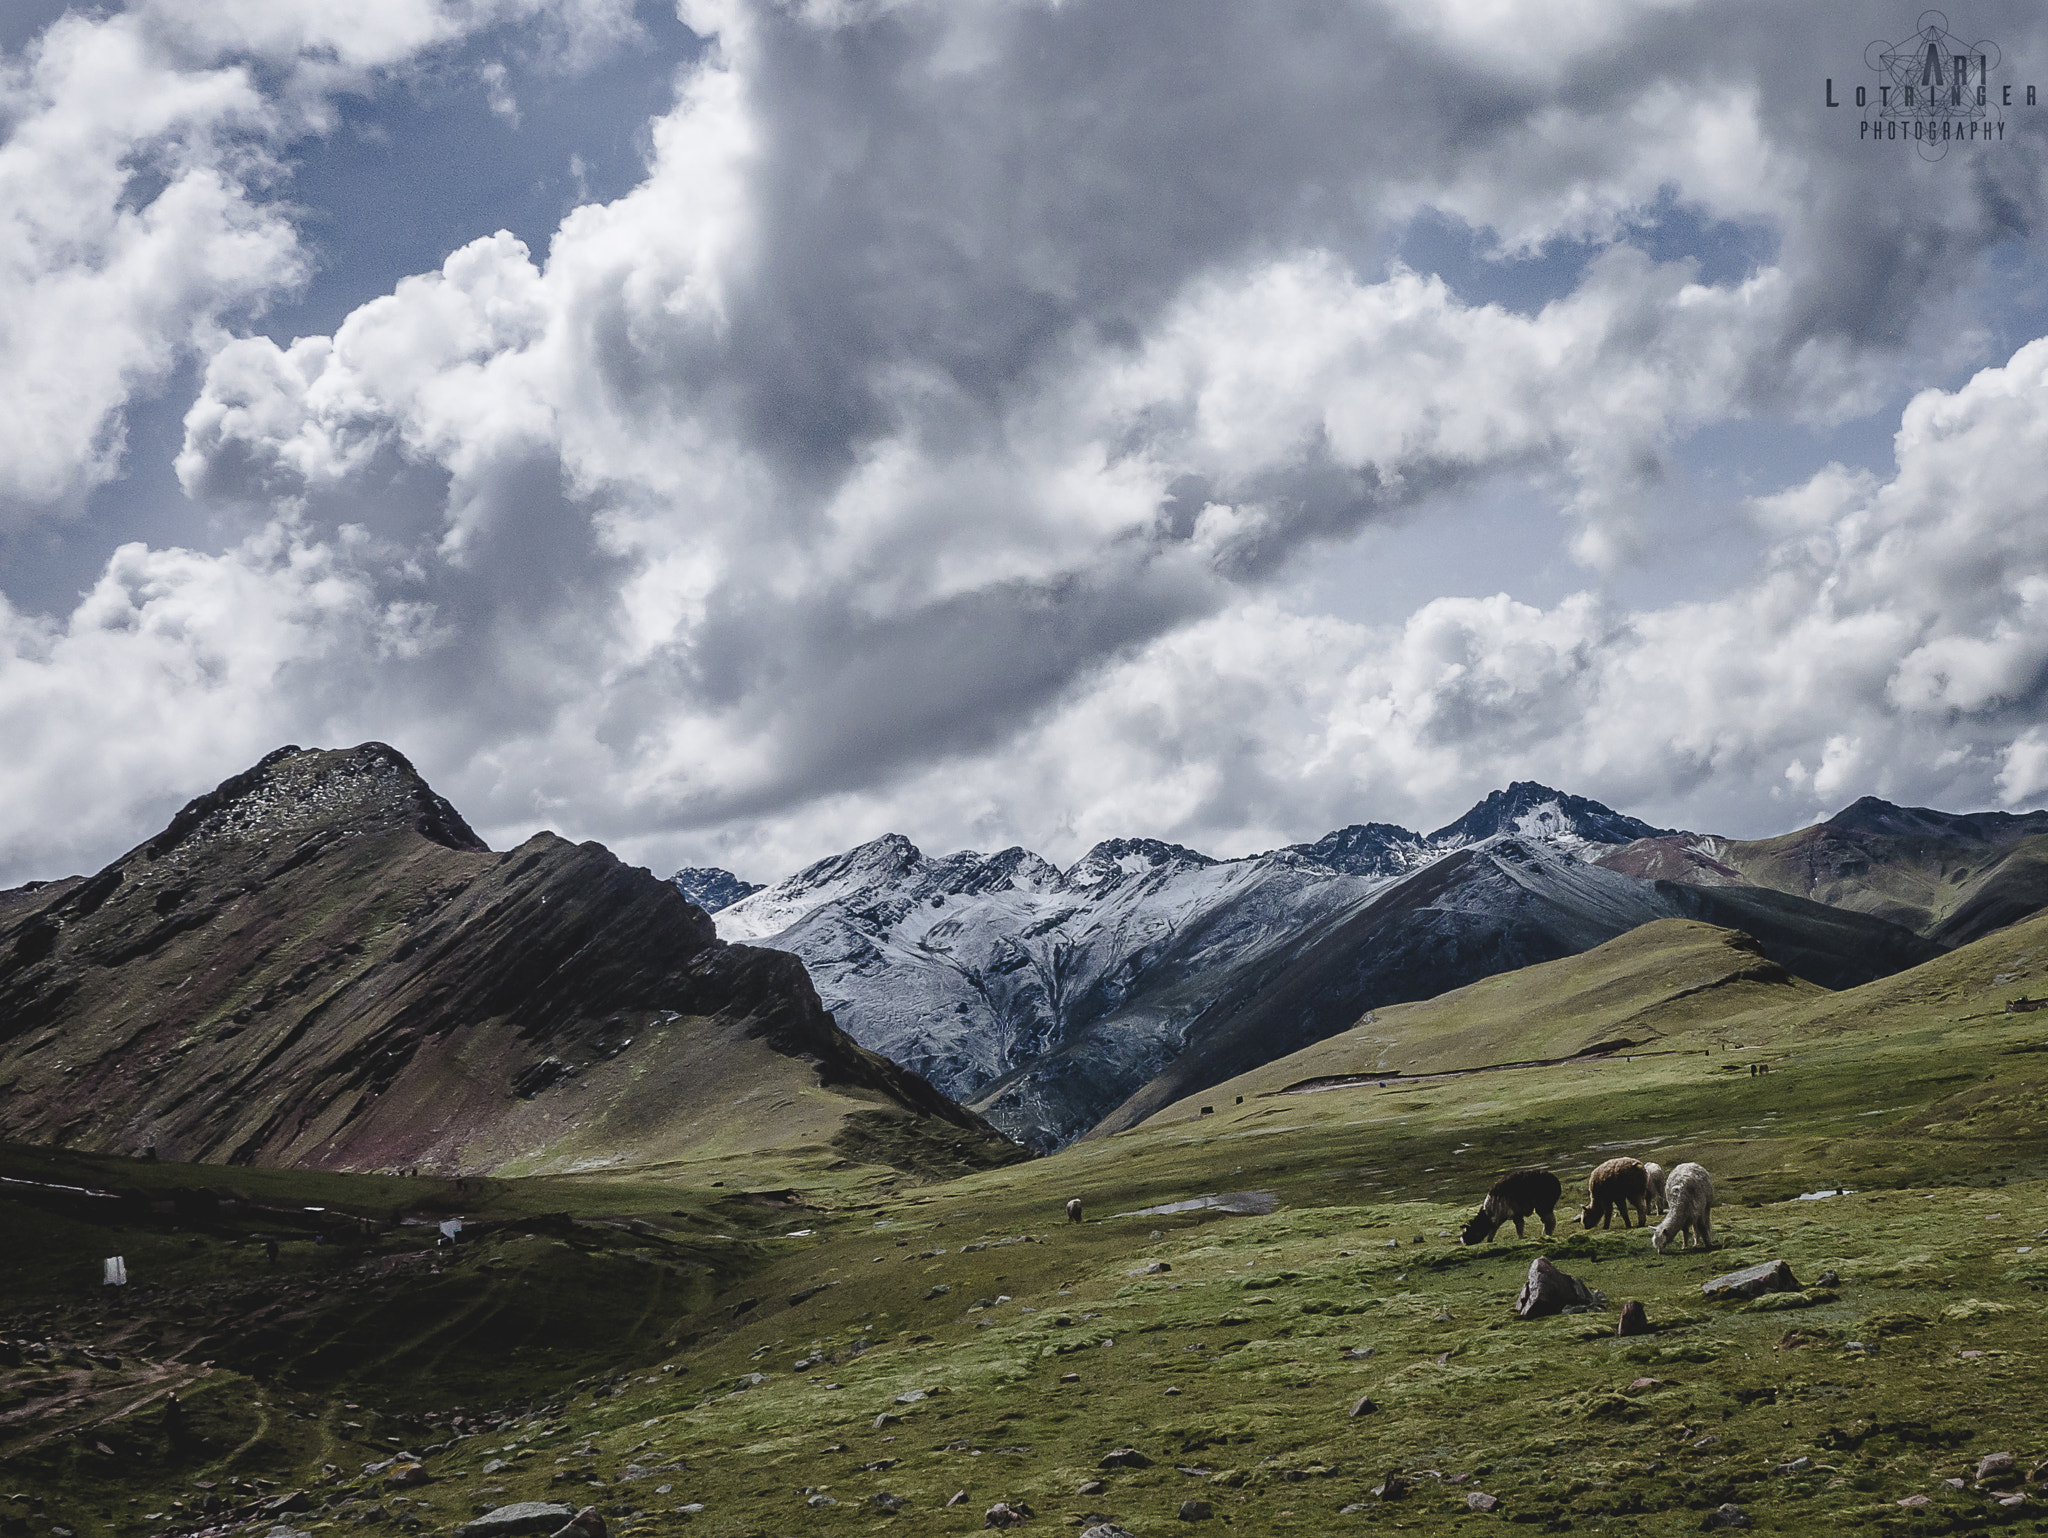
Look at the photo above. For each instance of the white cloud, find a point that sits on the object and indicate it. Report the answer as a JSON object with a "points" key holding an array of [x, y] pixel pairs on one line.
{"points": [[924, 443]]}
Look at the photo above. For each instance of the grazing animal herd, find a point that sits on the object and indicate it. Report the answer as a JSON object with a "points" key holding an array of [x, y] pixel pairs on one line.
{"points": [[1684, 1194]]}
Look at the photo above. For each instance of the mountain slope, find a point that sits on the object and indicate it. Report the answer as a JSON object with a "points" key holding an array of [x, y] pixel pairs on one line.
{"points": [[319, 964], [1912, 865], [1049, 998], [1490, 908]]}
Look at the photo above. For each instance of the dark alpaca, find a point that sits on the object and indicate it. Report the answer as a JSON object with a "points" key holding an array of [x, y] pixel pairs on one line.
{"points": [[1515, 1196], [1619, 1184]]}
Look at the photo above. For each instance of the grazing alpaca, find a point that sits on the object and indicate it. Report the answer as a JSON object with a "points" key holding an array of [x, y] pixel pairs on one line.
{"points": [[1074, 1210], [1654, 1175], [1617, 1184], [1689, 1208], [1515, 1196]]}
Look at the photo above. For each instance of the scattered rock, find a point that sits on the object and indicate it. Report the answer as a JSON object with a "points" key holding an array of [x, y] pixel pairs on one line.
{"points": [[821, 1500], [1152, 1268], [1729, 1515], [1359, 1353], [1550, 1291], [1005, 1514], [959, 1498], [1635, 1319], [1196, 1511], [1125, 1458], [1956, 1484], [884, 1419], [405, 1476], [910, 1396], [1479, 1500], [587, 1523], [1796, 1466], [1637, 1385], [1997, 1468], [1070, 1377], [1105, 1530], [1364, 1406], [1751, 1281], [2012, 1500], [496, 1465], [882, 1500], [1091, 1487], [518, 1518], [1914, 1502], [1828, 1279], [1392, 1488]]}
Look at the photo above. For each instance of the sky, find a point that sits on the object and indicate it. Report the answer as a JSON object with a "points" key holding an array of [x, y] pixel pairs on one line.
{"points": [[732, 431]]}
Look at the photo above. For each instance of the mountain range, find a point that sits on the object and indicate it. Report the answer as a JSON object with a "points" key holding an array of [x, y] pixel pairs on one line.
{"points": [[1063, 1002], [319, 964]]}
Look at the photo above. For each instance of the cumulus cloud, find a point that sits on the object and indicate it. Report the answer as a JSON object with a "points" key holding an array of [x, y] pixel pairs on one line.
{"points": [[141, 206], [927, 440]]}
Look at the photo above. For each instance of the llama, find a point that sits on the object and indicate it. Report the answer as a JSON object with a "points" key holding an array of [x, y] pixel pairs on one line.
{"points": [[1074, 1210], [1617, 1184], [1515, 1196], [1654, 1175], [1688, 1209]]}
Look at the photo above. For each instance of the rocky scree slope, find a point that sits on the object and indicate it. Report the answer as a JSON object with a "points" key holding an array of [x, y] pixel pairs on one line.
{"points": [[319, 964], [1050, 999]]}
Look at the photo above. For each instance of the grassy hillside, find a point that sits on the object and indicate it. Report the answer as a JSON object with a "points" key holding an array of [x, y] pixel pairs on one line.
{"points": [[690, 1355]]}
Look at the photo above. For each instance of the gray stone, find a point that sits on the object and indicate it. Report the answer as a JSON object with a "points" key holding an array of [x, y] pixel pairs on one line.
{"points": [[1550, 1291], [959, 1498], [1796, 1466], [1004, 1514], [1196, 1511], [1105, 1530], [587, 1523], [1997, 1468], [1363, 1406], [1752, 1281], [1635, 1319], [1091, 1487], [821, 1500], [1479, 1500], [1729, 1515], [518, 1518], [1124, 1458], [882, 1500]]}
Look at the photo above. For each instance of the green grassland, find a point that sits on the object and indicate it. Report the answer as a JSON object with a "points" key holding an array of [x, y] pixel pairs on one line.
{"points": [[767, 1354]]}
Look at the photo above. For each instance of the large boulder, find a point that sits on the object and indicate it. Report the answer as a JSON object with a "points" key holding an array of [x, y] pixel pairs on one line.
{"points": [[1751, 1281], [518, 1518], [1551, 1291]]}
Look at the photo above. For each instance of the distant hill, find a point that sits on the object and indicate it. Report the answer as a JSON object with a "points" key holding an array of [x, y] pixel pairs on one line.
{"points": [[1056, 1001], [1947, 875], [319, 964]]}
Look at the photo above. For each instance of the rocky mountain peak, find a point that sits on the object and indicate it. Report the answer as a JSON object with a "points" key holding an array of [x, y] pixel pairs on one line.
{"points": [[1117, 860], [711, 888], [1536, 811], [1364, 849], [301, 790]]}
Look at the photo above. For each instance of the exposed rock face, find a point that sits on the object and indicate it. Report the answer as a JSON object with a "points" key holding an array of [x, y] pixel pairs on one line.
{"points": [[320, 964], [712, 889], [1548, 1290]]}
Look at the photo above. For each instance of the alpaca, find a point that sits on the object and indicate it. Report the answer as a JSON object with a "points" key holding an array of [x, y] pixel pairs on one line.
{"points": [[1619, 1183], [1688, 1210], [1654, 1174], [1074, 1210], [1515, 1196]]}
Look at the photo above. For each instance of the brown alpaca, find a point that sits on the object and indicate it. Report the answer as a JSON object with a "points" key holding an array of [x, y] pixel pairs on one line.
{"points": [[1617, 1185]]}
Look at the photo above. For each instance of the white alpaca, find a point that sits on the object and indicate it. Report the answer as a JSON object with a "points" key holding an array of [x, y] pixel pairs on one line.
{"points": [[1655, 1175], [1689, 1205]]}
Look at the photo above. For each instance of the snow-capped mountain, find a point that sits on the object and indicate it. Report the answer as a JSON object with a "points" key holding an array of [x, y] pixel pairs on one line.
{"points": [[1049, 997], [712, 889]]}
